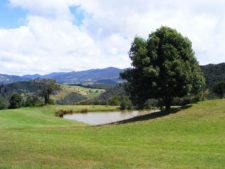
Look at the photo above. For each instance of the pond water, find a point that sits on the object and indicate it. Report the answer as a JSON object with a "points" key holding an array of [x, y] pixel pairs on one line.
{"points": [[99, 118]]}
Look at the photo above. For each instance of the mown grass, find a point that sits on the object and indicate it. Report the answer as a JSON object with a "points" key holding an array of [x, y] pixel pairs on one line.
{"points": [[192, 138]]}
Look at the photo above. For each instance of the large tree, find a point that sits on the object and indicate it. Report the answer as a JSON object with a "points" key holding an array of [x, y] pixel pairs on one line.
{"points": [[163, 67]]}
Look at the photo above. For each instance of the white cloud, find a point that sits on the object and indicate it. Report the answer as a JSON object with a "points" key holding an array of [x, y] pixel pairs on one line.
{"points": [[50, 41]]}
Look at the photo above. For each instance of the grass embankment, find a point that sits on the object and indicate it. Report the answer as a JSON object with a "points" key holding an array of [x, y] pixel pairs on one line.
{"points": [[191, 138]]}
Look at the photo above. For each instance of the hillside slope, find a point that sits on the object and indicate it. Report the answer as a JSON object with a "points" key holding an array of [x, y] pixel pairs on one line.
{"points": [[191, 138], [68, 94]]}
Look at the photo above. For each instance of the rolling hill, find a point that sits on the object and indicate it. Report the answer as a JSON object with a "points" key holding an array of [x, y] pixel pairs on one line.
{"points": [[107, 76], [214, 73]]}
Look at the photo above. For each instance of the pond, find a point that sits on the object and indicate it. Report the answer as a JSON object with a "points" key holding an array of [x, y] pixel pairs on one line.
{"points": [[100, 118]]}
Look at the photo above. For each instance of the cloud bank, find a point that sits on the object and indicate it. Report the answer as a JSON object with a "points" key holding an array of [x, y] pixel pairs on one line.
{"points": [[51, 40]]}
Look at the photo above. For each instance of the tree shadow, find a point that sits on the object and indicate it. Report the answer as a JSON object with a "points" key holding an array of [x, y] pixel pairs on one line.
{"points": [[151, 116]]}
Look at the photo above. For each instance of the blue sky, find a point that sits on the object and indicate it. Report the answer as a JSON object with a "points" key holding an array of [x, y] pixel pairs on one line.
{"points": [[11, 17], [78, 14], [39, 36]]}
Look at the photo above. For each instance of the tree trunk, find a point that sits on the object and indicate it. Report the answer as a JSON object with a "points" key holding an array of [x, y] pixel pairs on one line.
{"points": [[46, 99], [168, 107]]}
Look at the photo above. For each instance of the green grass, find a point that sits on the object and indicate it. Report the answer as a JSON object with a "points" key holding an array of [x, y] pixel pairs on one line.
{"points": [[193, 138], [86, 92]]}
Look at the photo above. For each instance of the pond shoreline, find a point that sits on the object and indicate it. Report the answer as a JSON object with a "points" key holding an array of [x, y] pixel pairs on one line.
{"points": [[107, 118]]}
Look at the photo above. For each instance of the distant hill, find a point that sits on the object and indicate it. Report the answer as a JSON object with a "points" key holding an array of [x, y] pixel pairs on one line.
{"points": [[89, 77], [31, 77], [6, 79], [214, 73]]}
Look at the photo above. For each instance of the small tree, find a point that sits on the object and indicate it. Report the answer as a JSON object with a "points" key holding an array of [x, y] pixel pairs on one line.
{"points": [[164, 67], [15, 101], [47, 87], [219, 89]]}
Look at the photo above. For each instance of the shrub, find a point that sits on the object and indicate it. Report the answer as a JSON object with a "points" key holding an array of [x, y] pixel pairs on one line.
{"points": [[115, 101], [15, 101], [126, 104], [151, 103], [61, 113], [3, 103], [32, 101]]}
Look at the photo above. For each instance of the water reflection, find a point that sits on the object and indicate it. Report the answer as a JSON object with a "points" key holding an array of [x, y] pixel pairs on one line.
{"points": [[98, 118]]}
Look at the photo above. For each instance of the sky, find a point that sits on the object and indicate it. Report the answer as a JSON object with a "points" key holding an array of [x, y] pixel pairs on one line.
{"points": [[39, 36]]}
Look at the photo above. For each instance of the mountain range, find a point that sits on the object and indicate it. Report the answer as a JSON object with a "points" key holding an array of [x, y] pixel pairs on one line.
{"points": [[108, 75]]}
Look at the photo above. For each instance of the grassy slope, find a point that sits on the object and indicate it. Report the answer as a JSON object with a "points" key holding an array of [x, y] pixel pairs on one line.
{"points": [[86, 92], [192, 138]]}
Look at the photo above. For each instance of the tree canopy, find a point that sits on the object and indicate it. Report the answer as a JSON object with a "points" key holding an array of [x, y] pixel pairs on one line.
{"points": [[163, 67], [15, 101], [47, 87], [219, 89]]}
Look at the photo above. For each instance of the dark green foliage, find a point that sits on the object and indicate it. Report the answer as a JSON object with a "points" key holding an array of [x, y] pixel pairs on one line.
{"points": [[164, 67], [214, 74], [111, 95], [3, 103], [71, 98], [32, 101], [219, 89], [19, 87], [47, 87], [151, 103], [126, 104], [15, 101], [114, 101]]}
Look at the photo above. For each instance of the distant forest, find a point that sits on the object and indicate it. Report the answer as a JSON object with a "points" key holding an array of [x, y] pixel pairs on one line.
{"points": [[214, 73]]}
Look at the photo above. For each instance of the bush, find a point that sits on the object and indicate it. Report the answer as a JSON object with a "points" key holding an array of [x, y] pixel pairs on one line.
{"points": [[15, 101], [32, 101], [61, 113], [51, 102], [114, 101], [126, 104], [3, 103], [151, 103]]}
